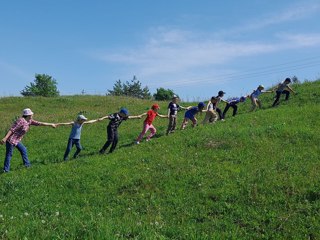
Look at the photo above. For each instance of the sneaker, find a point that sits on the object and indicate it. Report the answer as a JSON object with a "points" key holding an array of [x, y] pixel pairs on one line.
{"points": [[147, 140], [137, 142]]}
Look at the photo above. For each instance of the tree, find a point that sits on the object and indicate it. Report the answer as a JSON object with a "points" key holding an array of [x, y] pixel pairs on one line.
{"points": [[117, 89], [130, 89], [44, 85], [163, 94]]}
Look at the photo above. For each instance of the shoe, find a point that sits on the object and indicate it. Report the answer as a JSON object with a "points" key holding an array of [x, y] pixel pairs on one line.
{"points": [[147, 140], [222, 120], [137, 142]]}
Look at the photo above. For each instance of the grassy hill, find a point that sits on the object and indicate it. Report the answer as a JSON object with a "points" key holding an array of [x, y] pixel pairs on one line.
{"points": [[255, 176]]}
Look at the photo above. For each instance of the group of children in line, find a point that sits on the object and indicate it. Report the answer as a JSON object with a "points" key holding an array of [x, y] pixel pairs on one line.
{"points": [[14, 136]]}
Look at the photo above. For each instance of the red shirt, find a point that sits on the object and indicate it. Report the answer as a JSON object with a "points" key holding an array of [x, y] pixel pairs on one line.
{"points": [[19, 129], [151, 115]]}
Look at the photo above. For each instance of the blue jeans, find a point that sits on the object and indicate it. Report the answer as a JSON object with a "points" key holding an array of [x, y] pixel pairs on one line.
{"points": [[9, 150], [72, 142]]}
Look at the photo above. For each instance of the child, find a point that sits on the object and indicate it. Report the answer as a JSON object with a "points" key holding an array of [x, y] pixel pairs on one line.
{"points": [[15, 134], [147, 124], [173, 109], [218, 100], [112, 129], [232, 102], [281, 89], [254, 97], [211, 115], [190, 115], [75, 134]]}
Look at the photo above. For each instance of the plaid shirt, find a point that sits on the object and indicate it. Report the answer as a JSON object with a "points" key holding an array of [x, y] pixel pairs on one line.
{"points": [[19, 129]]}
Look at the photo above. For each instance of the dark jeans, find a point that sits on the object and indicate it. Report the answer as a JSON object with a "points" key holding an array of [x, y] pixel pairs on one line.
{"points": [[112, 139], [234, 106], [278, 95], [172, 124], [72, 142], [218, 110], [9, 150]]}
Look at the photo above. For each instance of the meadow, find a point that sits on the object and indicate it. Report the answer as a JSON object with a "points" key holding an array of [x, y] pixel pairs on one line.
{"points": [[254, 176]]}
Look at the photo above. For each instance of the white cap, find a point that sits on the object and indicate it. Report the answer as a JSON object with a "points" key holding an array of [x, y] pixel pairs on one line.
{"points": [[27, 112], [261, 86], [81, 117]]}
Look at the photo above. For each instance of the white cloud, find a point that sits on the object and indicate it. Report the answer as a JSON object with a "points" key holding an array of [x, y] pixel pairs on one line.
{"points": [[178, 52]]}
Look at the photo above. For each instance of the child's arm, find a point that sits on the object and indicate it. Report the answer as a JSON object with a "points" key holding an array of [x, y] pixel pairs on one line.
{"points": [[291, 90], [162, 116], [6, 137], [64, 124], [185, 108], [93, 121], [267, 91], [54, 125], [224, 101], [135, 117]]}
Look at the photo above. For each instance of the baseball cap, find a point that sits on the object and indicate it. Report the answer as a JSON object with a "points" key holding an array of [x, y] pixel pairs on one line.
{"points": [[27, 112], [221, 93], [124, 111], [155, 106], [201, 105], [242, 99], [261, 86], [81, 117]]}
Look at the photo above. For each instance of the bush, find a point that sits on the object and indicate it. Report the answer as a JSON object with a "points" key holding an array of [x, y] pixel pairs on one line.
{"points": [[44, 85]]}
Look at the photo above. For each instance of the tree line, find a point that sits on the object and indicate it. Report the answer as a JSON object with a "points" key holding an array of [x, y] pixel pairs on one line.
{"points": [[46, 86]]}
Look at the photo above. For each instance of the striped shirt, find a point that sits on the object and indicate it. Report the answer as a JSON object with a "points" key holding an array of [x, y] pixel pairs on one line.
{"points": [[116, 120], [19, 129]]}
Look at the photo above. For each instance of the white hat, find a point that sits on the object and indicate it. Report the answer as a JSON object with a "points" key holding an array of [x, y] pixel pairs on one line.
{"points": [[260, 86], [27, 112], [81, 117]]}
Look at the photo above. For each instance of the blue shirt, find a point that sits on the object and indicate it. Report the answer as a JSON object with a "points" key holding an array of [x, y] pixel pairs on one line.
{"points": [[76, 131], [256, 93], [191, 112], [233, 100]]}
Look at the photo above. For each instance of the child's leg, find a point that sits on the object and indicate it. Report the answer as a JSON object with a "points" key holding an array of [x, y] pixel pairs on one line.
{"points": [[235, 109], [218, 110], [78, 146], [206, 117], [277, 98], [9, 151], [109, 141], [153, 131], [69, 147], [213, 116], [170, 125], [225, 110], [174, 123], [259, 103], [115, 140], [287, 93], [194, 122], [184, 123], [23, 151], [144, 130]]}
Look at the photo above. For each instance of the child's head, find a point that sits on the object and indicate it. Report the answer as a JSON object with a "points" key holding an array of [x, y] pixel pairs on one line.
{"points": [[81, 119], [175, 99], [124, 112], [27, 113], [221, 93], [213, 99], [242, 99], [260, 87], [155, 107], [201, 106], [287, 80]]}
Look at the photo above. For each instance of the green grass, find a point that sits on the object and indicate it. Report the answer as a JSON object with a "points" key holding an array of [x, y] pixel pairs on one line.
{"points": [[255, 176]]}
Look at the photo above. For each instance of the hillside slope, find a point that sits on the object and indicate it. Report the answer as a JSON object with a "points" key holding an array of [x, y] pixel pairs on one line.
{"points": [[252, 176]]}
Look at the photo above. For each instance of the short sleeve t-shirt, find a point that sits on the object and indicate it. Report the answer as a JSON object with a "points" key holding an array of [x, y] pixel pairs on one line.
{"points": [[191, 112], [174, 108], [76, 131], [256, 93], [282, 86], [151, 115], [233, 100]]}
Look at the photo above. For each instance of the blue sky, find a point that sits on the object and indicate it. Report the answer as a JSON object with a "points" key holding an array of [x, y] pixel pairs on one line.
{"points": [[194, 47]]}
